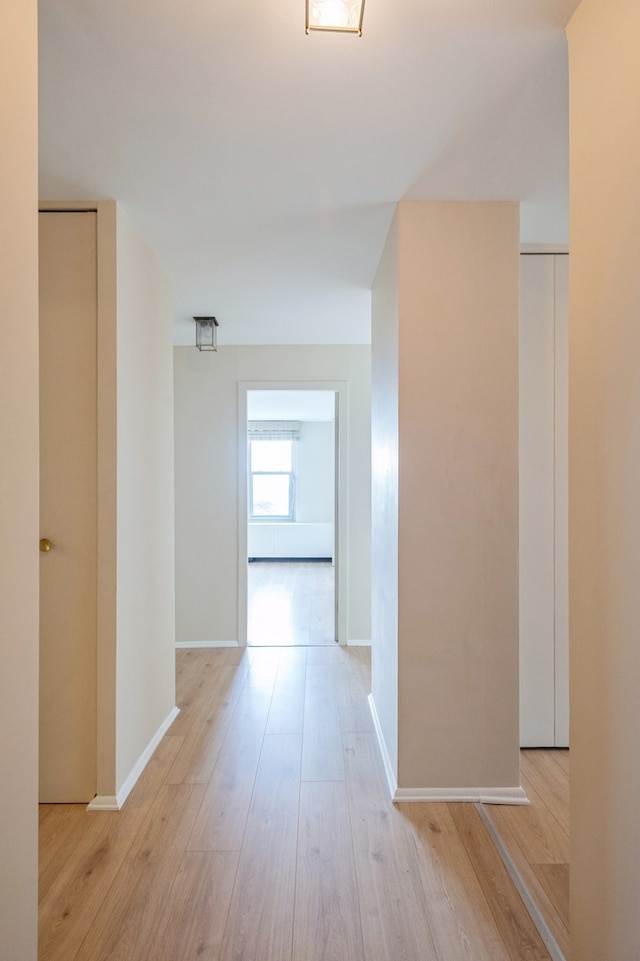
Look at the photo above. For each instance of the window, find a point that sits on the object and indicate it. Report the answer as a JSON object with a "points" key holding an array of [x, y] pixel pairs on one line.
{"points": [[271, 480]]}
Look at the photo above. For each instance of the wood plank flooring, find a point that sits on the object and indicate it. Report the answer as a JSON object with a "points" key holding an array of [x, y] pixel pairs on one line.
{"points": [[290, 603], [536, 837], [262, 830]]}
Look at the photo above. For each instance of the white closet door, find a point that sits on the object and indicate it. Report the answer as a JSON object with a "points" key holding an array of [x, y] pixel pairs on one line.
{"points": [[544, 691]]}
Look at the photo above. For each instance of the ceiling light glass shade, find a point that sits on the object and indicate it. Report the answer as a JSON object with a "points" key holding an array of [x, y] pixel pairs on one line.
{"points": [[206, 333], [342, 15]]}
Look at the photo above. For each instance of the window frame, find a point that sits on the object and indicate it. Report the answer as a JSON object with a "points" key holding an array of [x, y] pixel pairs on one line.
{"points": [[272, 518]]}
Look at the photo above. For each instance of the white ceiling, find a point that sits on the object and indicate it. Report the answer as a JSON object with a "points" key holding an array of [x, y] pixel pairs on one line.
{"points": [[263, 165]]}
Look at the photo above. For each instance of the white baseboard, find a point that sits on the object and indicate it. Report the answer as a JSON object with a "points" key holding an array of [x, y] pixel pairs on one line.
{"points": [[183, 644], [477, 795], [544, 248], [356, 643], [386, 760], [104, 802], [107, 802]]}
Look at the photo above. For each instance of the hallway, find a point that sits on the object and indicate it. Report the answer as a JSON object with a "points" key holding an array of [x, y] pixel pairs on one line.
{"points": [[262, 830]]}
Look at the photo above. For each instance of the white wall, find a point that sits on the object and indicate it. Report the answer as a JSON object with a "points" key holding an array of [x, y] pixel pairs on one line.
{"points": [[19, 483], [208, 476], [604, 472], [145, 662], [457, 493], [314, 473]]}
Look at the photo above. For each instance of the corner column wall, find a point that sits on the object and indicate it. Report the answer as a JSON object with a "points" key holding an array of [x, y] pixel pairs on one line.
{"points": [[604, 479], [19, 481], [456, 691]]}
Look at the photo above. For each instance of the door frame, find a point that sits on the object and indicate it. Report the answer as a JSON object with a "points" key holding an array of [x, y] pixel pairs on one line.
{"points": [[341, 389], [544, 646]]}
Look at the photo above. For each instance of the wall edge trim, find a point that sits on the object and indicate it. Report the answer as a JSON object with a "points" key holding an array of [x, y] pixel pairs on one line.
{"points": [[534, 911], [386, 760], [108, 802]]}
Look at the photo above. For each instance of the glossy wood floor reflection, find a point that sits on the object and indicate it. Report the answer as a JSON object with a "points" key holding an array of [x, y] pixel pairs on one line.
{"points": [[262, 830], [290, 602]]}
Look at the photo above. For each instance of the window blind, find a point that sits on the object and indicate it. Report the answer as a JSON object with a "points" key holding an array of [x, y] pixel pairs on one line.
{"points": [[274, 429]]}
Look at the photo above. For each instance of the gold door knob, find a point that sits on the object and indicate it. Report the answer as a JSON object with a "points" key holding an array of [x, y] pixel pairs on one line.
{"points": [[45, 544]]}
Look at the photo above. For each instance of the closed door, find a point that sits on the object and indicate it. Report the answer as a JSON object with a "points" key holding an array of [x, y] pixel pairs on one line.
{"points": [[68, 506]]}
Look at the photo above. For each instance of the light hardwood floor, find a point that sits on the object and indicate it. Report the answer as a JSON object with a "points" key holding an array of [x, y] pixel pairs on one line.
{"points": [[537, 837], [262, 830], [290, 602]]}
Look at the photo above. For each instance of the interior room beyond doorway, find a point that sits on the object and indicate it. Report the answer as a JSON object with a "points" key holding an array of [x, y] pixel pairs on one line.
{"points": [[291, 499]]}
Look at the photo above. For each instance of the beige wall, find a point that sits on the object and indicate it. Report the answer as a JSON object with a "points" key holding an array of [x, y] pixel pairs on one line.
{"points": [[605, 479], [457, 494], [19, 483], [145, 659], [208, 476]]}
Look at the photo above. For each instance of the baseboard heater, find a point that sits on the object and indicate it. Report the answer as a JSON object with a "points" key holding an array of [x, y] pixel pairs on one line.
{"points": [[292, 560], [295, 540]]}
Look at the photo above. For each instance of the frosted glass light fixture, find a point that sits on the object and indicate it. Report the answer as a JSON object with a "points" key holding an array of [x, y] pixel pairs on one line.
{"points": [[344, 16], [206, 333]]}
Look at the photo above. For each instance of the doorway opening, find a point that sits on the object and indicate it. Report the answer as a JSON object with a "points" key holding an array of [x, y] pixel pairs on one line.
{"points": [[290, 584], [290, 603]]}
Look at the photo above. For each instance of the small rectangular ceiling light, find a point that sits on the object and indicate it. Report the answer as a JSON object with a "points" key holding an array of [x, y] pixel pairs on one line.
{"points": [[206, 333], [344, 16]]}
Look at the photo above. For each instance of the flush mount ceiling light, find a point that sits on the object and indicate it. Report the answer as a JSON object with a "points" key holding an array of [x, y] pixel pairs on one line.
{"points": [[345, 16], [206, 333]]}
